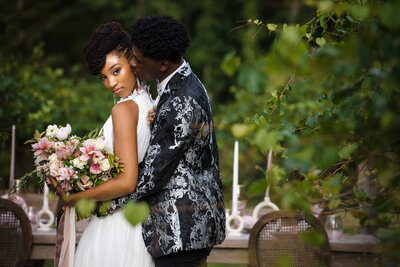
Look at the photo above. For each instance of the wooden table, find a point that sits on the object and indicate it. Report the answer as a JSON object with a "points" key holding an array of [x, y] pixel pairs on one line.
{"points": [[344, 252], [234, 250], [43, 244]]}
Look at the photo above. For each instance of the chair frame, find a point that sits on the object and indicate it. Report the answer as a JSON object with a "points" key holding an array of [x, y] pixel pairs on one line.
{"points": [[314, 222], [26, 229]]}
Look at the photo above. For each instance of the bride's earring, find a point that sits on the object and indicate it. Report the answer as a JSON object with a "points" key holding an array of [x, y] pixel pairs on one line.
{"points": [[114, 100]]}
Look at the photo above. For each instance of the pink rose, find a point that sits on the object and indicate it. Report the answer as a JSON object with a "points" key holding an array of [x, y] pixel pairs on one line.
{"points": [[151, 114], [66, 186], [95, 168]]}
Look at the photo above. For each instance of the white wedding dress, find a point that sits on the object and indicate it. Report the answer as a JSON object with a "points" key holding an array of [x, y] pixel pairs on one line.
{"points": [[111, 241]]}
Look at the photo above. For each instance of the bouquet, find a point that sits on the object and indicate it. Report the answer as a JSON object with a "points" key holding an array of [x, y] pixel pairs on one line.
{"points": [[76, 163]]}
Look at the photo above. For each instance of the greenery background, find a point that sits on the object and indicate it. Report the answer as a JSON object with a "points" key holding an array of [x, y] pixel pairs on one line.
{"points": [[44, 79], [316, 81]]}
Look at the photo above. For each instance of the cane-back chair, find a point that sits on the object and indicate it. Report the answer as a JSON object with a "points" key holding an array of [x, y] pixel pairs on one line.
{"points": [[282, 238], [15, 234]]}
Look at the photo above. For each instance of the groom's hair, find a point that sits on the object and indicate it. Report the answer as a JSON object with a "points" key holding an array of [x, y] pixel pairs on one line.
{"points": [[160, 37], [107, 38]]}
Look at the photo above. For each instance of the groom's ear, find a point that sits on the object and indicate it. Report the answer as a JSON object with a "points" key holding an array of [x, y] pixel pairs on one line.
{"points": [[164, 65]]}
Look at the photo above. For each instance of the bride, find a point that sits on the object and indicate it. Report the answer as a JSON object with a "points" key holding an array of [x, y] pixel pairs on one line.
{"points": [[111, 240]]}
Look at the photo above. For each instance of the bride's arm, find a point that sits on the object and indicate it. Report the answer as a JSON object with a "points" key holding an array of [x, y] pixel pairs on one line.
{"points": [[125, 118]]}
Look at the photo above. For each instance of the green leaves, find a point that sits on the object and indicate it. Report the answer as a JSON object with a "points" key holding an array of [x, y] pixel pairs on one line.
{"points": [[136, 212], [334, 203], [313, 237], [389, 15], [347, 150], [340, 109], [266, 140], [320, 41], [272, 27], [230, 63], [85, 207], [240, 130]]}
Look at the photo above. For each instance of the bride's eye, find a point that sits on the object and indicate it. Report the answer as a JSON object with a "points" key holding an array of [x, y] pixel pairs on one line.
{"points": [[102, 78], [116, 71]]}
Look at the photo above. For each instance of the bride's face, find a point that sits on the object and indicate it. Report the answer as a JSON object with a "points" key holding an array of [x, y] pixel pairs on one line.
{"points": [[117, 75]]}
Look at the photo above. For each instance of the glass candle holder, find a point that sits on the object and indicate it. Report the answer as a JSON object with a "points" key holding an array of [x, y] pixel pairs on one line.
{"points": [[334, 227], [33, 217]]}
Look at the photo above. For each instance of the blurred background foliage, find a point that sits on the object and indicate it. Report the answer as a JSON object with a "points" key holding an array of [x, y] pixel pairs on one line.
{"points": [[44, 79], [315, 81]]}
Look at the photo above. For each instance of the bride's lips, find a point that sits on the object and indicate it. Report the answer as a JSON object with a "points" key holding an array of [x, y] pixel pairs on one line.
{"points": [[117, 91]]}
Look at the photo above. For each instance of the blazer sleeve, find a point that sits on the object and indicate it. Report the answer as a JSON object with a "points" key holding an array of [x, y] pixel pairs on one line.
{"points": [[177, 124]]}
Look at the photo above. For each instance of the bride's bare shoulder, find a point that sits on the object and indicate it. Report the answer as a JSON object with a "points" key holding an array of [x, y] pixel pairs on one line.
{"points": [[125, 111]]}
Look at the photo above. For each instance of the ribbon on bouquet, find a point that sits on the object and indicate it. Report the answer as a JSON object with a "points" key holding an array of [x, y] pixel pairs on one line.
{"points": [[66, 236]]}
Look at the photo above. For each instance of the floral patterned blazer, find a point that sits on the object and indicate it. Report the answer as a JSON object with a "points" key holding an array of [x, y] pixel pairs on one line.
{"points": [[179, 176]]}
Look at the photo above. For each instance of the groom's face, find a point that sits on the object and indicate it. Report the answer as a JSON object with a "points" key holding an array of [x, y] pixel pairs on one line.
{"points": [[145, 68]]}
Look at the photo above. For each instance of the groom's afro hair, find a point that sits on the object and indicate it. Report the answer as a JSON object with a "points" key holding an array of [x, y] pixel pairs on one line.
{"points": [[160, 37], [108, 37]]}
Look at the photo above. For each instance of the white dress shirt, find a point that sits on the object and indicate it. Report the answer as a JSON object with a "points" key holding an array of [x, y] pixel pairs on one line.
{"points": [[161, 85]]}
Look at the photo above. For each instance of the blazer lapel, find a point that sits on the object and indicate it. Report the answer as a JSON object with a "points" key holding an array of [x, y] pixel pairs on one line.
{"points": [[175, 83]]}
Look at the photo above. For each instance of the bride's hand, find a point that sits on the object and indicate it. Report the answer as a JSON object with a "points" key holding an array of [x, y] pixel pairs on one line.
{"points": [[52, 182]]}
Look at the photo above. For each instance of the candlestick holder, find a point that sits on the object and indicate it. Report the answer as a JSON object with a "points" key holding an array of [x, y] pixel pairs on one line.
{"points": [[267, 202], [44, 225], [236, 230]]}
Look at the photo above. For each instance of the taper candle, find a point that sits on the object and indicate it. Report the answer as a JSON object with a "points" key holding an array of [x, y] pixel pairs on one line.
{"points": [[235, 178]]}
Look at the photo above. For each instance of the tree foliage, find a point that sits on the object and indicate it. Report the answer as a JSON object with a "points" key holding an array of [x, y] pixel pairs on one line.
{"points": [[48, 86], [325, 98]]}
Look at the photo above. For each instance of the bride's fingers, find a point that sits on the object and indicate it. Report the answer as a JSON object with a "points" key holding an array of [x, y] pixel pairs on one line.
{"points": [[53, 182]]}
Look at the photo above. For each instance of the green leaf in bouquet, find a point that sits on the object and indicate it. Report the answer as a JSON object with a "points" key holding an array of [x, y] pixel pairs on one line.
{"points": [[136, 212], [36, 137], [29, 178], [85, 207], [114, 162], [99, 182]]}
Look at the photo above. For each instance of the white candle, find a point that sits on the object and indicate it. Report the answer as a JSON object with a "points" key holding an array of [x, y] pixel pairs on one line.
{"points": [[235, 178], [12, 162]]}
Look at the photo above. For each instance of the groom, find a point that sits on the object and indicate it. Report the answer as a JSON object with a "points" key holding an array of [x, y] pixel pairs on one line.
{"points": [[179, 176]]}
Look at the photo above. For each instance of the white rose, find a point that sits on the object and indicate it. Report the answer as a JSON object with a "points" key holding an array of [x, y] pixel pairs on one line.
{"points": [[98, 158], [105, 165], [99, 144], [40, 158], [79, 163], [54, 170], [51, 130], [74, 140], [53, 159], [58, 145], [63, 132]]}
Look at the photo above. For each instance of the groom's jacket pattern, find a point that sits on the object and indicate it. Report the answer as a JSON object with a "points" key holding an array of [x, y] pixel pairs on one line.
{"points": [[179, 176]]}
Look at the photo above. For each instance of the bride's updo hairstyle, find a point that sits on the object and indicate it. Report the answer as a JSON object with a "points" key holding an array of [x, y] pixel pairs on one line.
{"points": [[107, 38]]}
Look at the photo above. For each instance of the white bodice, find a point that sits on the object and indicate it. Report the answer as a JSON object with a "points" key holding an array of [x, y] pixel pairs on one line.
{"points": [[143, 99]]}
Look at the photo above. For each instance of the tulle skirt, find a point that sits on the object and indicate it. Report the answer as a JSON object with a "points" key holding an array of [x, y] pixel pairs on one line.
{"points": [[112, 241]]}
